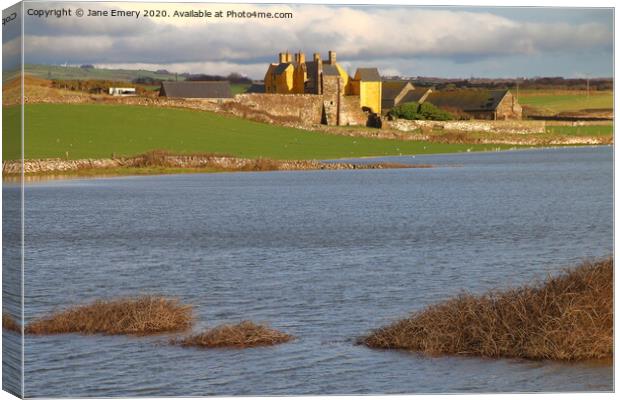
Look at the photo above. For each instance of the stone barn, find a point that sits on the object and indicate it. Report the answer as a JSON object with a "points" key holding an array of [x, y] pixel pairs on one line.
{"points": [[478, 103], [395, 93]]}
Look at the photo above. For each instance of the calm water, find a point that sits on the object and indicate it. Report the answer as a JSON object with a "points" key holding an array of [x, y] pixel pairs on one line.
{"points": [[324, 255]]}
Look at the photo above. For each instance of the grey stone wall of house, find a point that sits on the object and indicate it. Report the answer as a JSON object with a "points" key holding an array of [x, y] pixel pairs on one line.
{"points": [[332, 93], [509, 108]]}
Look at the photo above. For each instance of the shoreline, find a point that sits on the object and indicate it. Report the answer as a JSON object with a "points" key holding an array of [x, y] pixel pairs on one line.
{"points": [[176, 164], [164, 163], [510, 150]]}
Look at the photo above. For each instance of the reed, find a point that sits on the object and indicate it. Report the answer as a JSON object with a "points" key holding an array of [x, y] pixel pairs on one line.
{"points": [[142, 315], [242, 335], [567, 317]]}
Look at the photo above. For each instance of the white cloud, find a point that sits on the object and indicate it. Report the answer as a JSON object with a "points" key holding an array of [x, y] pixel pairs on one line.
{"points": [[358, 34]]}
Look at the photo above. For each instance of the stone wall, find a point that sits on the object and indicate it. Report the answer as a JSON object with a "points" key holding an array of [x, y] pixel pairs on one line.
{"points": [[58, 166], [302, 110], [350, 111], [293, 108], [511, 126]]}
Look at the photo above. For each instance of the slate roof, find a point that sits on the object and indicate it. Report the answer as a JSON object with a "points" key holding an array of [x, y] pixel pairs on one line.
{"points": [[368, 74], [391, 89], [196, 90], [414, 95], [282, 67], [330, 70], [256, 88], [467, 99]]}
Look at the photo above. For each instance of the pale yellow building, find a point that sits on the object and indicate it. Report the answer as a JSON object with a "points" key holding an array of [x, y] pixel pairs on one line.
{"points": [[367, 85]]}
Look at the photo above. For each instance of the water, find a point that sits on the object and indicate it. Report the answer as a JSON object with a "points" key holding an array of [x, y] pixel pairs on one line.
{"points": [[323, 255]]}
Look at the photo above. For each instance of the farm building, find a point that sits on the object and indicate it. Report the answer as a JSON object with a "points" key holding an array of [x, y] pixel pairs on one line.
{"points": [[394, 93], [293, 74], [474, 103], [196, 90], [478, 103]]}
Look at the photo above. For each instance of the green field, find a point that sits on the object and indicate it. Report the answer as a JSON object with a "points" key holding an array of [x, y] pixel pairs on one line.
{"points": [[69, 73], [238, 88], [565, 100], [98, 131], [587, 130]]}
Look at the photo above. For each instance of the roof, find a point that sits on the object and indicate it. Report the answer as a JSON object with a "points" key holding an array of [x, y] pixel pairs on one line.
{"points": [[368, 74], [256, 88], [415, 95], [281, 68], [467, 99], [197, 89], [330, 70], [391, 89]]}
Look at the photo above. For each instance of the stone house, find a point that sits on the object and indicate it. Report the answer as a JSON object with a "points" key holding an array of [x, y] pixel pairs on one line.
{"points": [[478, 103], [343, 97]]}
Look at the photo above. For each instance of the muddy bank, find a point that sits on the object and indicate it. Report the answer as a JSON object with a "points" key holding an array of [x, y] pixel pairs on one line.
{"points": [[158, 162]]}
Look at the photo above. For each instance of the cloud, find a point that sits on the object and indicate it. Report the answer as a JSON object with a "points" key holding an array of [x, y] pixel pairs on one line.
{"points": [[361, 33]]}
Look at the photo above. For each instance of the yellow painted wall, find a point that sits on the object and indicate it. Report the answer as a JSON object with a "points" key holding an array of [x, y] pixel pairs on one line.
{"points": [[370, 95], [284, 82], [346, 79]]}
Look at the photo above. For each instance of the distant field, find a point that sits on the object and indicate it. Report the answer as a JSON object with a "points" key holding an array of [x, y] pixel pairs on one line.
{"points": [[566, 100], [98, 131], [59, 72], [237, 88]]}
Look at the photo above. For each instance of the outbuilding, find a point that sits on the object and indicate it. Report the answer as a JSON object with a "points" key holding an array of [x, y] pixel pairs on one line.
{"points": [[196, 90], [478, 103]]}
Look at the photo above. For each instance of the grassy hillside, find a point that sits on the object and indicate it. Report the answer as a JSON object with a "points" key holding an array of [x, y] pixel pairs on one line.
{"points": [[98, 131], [565, 100], [59, 72]]}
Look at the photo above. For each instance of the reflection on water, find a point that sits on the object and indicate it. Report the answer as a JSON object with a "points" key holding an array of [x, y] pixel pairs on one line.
{"points": [[323, 255]]}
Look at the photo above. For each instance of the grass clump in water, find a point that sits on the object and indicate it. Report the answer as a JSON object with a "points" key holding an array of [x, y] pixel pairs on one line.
{"points": [[9, 323], [568, 317], [241, 335], [142, 315]]}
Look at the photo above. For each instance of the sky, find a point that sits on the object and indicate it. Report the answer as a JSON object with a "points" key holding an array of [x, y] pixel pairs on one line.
{"points": [[457, 42]]}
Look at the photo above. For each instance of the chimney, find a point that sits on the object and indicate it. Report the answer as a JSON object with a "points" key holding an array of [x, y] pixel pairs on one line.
{"points": [[319, 73], [332, 57], [302, 58], [281, 58], [289, 57]]}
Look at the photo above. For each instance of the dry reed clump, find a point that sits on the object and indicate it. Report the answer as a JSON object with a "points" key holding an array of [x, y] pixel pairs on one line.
{"points": [[142, 315], [242, 335], [9, 323], [261, 164], [568, 317]]}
